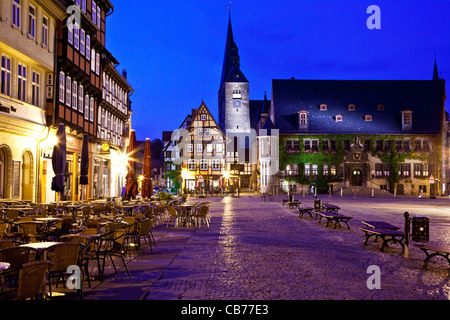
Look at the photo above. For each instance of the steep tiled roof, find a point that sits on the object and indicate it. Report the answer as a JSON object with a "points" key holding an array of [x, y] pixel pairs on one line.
{"points": [[425, 98]]}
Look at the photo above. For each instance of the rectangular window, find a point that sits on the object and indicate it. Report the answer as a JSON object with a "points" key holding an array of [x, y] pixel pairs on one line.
{"points": [[199, 132], [76, 32], [219, 148], [99, 17], [417, 170], [74, 95], [307, 170], [88, 47], [333, 170], [22, 82], [347, 144], [68, 91], [216, 165], [86, 107], [70, 33], [32, 21], [325, 170], [36, 89], [315, 145], [6, 76], [80, 98], [425, 170], [292, 145], [209, 148], [82, 42], [91, 110], [83, 6], [326, 145], [204, 164], [189, 147], [379, 170], [367, 145], [407, 145], [97, 63], [16, 13], [93, 60], [207, 132], [62, 87], [417, 145], [199, 148], [191, 165], [386, 170], [94, 13], [307, 144], [315, 170], [45, 32]]}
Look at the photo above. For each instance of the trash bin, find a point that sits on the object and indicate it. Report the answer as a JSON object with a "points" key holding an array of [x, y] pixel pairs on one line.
{"points": [[317, 205], [420, 229]]}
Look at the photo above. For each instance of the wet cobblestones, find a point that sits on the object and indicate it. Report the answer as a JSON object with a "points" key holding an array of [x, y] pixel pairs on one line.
{"points": [[258, 250]]}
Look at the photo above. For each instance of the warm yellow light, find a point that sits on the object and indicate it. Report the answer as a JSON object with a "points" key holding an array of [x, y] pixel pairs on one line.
{"points": [[185, 174], [141, 177], [226, 174]]}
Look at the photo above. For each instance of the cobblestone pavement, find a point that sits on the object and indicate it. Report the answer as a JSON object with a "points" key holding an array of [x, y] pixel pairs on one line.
{"points": [[261, 250]]}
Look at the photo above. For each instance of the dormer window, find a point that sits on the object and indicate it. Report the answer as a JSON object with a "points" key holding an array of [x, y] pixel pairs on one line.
{"points": [[323, 107], [406, 120], [351, 107], [303, 120], [203, 117], [237, 93], [380, 107], [339, 118], [368, 118]]}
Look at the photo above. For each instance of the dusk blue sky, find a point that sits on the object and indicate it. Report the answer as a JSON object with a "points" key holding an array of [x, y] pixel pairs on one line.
{"points": [[173, 50]]}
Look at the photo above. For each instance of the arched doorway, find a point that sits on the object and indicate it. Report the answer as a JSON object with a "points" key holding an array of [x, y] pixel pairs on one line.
{"points": [[5, 171], [27, 176], [357, 178], [2, 174]]}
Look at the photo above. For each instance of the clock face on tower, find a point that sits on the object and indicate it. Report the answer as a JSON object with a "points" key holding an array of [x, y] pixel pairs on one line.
{"points": [[357, 156], [237, 103]]}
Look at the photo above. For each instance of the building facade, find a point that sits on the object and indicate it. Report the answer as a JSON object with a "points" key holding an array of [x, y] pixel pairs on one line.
{"points": [[27, 33], [91, 97]]}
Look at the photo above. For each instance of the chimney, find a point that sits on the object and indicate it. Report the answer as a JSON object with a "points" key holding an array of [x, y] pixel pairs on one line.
{"points": [[124, 73]]}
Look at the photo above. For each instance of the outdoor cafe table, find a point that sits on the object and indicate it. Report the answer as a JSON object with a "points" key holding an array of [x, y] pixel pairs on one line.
{"points": [[188, 207], [40, 247]]}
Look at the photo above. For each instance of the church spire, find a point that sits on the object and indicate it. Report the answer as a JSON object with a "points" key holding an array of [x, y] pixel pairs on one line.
{"points": [[231, 57], [436, 72]]}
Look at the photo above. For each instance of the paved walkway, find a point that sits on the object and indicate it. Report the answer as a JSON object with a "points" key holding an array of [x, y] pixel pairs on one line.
{"points": [[255, 250]]}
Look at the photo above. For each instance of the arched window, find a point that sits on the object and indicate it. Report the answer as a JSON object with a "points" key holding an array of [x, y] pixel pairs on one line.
{"points": [[303, 120]]}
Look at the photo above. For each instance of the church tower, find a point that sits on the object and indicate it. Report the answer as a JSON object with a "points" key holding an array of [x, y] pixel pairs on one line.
{"points": [[234, 104]]}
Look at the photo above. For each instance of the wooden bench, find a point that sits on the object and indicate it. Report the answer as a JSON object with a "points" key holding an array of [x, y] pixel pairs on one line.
{"points": [[330, 208], [303, 210], [387, 235], [380, 225], [433, 251], [293, 204], [333, 217]]}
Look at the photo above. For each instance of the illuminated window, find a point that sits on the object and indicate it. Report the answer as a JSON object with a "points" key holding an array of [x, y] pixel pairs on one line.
{"points": [[76, 32], [351, 107], [36, 89], [204, 164], [68, 91], [80, 98], [82, 42], [339, 118], [88, 47], [86, 107], [191, 165], [74, 95], [323, 107], [22, 82], [368, 118], [62, 86]]}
